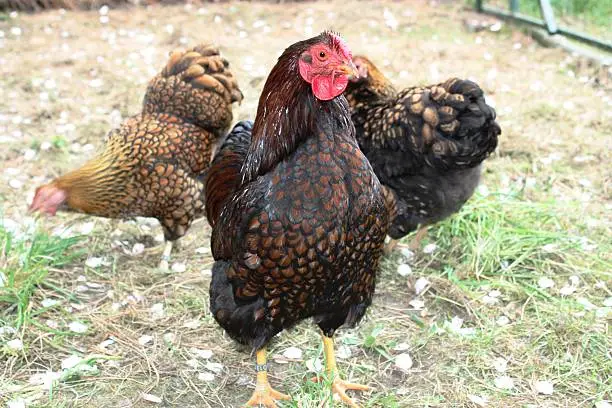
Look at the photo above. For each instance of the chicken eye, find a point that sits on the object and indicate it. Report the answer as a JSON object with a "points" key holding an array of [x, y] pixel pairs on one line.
{"points": [[322, 55]]}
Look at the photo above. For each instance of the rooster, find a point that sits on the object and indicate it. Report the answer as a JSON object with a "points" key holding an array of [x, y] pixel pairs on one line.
{"points": [[426, 144], [298, 217], [154, 165]]}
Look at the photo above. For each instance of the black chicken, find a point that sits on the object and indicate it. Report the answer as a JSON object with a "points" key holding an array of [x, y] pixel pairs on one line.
{"points": [[426, 144]]}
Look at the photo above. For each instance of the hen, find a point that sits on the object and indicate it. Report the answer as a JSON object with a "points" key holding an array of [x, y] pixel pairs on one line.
{"points": [[298, 216], [426, 144], [154, 165]]}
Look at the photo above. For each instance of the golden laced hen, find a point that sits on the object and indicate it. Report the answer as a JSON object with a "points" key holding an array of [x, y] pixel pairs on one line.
{"points": [[154, 164], [426, 144]]}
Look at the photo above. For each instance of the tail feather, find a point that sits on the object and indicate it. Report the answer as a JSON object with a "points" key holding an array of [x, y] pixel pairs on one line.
{"points": [[196, 86], [458, 127], [244, 323], [224, 176]]}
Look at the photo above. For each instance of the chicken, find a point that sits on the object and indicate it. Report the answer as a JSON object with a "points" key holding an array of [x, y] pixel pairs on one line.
{"points": [[298, 217], [155, 164], [426, 144]]}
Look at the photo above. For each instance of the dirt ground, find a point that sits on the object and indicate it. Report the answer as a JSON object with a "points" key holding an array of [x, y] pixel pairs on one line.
{"points": [[66, 78]]}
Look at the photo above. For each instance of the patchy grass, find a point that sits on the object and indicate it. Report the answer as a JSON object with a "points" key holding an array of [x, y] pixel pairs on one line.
{"points": [[485, 307]]}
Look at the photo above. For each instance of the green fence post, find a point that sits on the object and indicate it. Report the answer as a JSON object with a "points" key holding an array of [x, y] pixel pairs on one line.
{"points": [[514, 6], [549, 16]]}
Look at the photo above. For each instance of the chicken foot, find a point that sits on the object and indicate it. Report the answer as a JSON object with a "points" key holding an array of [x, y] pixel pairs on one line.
{"points": [[339, 386], [264, 395], [413, 245]]}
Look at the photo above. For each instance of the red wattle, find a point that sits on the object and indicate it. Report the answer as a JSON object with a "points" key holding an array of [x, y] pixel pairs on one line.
{"points": [[326, 88]]}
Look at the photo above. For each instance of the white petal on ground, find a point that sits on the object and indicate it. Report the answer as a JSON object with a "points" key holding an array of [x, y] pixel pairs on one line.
{"points": [[16, 403], [404, 269], [488, 300], [420, 285], [206, 377], [603, 404], [407, 254], [157, 311], [404, 362], [567, 290], [429, 248], [15, 344], [70, 362], [179, 267], [402, 347], [193, 363], [203, 354], [87, 227], [478, 400], [494, 293], [586, 303], [169, 338], [145, 339], [574, 280], [502, 321], [214, 367], [544, 387], [343, 352], [151, 398], [292, 353], [504, 382], [202, 250], [94, 262], [608, 302], [49, 302], [545, 283], [192, 324], [77, 327], [500, 364], [138, 248], [314, 364], [7, 330], [417, 304]]}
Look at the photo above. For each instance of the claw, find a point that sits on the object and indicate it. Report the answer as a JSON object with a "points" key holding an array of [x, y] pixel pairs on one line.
{"points": [[339, 388], [266, 396]]}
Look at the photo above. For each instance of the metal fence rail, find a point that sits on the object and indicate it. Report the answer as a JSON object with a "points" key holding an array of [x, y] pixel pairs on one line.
{"points": [[548, 22]]}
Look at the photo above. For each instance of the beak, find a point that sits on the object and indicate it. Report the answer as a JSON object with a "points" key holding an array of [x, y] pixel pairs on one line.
{"points": [[349, 69]]}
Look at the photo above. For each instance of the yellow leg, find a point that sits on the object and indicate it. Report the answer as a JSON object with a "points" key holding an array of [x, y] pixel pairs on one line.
{"points": [[339, 386], [163, 264], [264, 395]]}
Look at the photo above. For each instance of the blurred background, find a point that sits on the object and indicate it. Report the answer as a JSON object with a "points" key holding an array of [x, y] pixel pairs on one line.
{"points": [[505, 304]]}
